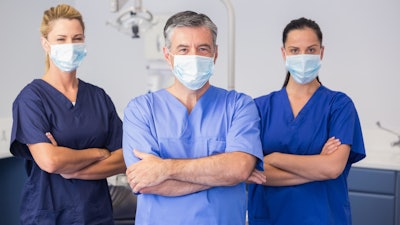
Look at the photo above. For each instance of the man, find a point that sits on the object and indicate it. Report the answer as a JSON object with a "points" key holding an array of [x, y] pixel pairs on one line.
{"points": [[191, 146]]}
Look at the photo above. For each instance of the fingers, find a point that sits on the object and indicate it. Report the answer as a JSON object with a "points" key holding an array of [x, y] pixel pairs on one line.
{"points": [[257, 177], [331, 145], [132, 180], [139, 154], [51, 138]]}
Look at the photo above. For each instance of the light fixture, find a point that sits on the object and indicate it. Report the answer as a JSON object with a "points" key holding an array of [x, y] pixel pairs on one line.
{"points": [[133, 21]]}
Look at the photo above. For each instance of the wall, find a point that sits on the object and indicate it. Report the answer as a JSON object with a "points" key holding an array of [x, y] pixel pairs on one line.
{"points": [[361, 41], [360, 38]]}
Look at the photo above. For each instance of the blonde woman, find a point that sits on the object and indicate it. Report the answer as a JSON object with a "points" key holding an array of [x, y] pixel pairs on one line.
{"points": [[68, 131]]}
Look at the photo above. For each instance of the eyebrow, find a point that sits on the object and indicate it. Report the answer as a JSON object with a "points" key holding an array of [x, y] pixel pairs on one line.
{"points": [[314, 45], [76, 35], [201, 45]]}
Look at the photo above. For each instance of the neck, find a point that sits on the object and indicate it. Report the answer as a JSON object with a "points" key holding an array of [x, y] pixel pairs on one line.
{"points": [[302, 89], [63, 81], [186, 96]]}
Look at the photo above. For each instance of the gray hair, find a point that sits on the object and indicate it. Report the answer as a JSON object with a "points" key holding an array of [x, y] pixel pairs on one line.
{"points": [[188, 19]]}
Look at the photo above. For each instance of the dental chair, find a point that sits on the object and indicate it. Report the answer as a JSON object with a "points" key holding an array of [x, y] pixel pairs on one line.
{"points": [[124, 204]]}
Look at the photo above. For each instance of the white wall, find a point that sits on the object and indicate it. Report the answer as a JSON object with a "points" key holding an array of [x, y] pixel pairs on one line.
{"points": [[361, 41]]}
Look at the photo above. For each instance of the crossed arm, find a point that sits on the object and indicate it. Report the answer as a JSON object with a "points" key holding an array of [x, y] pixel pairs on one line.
{"points": [[288, 169], [88, 164], [175, 177]]}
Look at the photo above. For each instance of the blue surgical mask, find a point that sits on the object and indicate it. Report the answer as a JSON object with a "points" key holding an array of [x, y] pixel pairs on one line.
{"points": [[193, 71], [67, 57], [303, 68]]}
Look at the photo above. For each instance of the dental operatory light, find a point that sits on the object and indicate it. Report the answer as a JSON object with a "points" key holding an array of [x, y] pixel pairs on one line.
{"points": [[133, 21]]}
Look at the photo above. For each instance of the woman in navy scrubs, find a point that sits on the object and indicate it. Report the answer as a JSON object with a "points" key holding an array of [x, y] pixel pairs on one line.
{"points": [[68, 131], [310, 135]]}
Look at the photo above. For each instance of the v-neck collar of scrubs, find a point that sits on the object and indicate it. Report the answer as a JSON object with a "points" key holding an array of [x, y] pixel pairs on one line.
{"points": [[58, 94], [303, 111], [198, 104]]}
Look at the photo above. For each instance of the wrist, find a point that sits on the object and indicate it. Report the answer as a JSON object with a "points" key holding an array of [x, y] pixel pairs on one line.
{"points": [[170, 171], [103, 153]]}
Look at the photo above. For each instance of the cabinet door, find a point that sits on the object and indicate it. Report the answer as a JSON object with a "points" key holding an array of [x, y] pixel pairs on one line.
{"points": [[397, 209], [372, 209]]}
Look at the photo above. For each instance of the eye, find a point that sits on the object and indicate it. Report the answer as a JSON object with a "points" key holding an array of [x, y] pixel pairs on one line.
{"points": [[182, 51], [204, 49], [294, 51], [311, 51], [78, 39]]}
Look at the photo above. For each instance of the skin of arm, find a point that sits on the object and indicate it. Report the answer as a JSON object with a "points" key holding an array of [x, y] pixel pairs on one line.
{"points": [[101, 169], [278, 177], [98, 170], [56, 159], [173, 188], [327, 165], [313, 167], [224, 169]]}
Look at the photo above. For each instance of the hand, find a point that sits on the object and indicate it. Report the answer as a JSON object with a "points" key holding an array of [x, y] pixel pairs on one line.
{"points": [[330, 146], [51, 138], [257, 177], [149, 171]]}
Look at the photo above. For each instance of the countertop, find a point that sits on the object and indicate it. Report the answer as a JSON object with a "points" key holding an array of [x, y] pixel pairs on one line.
{"points": [[380, 152]]}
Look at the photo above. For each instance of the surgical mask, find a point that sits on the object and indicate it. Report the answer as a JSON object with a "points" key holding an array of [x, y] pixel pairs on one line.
{"points": [[303, 68], [193, 71], [67, 57]]}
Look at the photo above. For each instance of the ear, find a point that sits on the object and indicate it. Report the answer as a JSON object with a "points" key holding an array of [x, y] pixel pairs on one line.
{"points": [[283, 53], [322, 52], [167, 56], [216, 54], [45, 45]]}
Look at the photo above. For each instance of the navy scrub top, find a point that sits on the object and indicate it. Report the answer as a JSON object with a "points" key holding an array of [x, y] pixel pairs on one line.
{"points": [[91, 123]]}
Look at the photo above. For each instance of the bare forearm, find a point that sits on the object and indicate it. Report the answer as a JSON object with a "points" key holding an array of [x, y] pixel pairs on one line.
{"points": [[101, 169], [312, 167], [55, 159], [218, 170], [174, 188], [278, 177]]}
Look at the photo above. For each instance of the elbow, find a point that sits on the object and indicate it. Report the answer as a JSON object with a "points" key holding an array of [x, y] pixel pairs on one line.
{"points": [[242, 171], [333, 173], [50, 165], [239, 177]]}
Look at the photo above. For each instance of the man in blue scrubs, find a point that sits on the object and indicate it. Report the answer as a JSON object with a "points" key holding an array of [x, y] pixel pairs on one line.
{"points": [[190, 147]]}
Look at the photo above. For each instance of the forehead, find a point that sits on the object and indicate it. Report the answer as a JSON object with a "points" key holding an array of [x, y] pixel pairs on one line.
{"points": [[300, 37], [191, 36], [66, 27]]}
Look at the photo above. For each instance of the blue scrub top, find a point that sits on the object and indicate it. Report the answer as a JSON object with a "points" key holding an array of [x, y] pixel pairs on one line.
{"points": [[221, 121], [49, 199], [326, 114]]}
